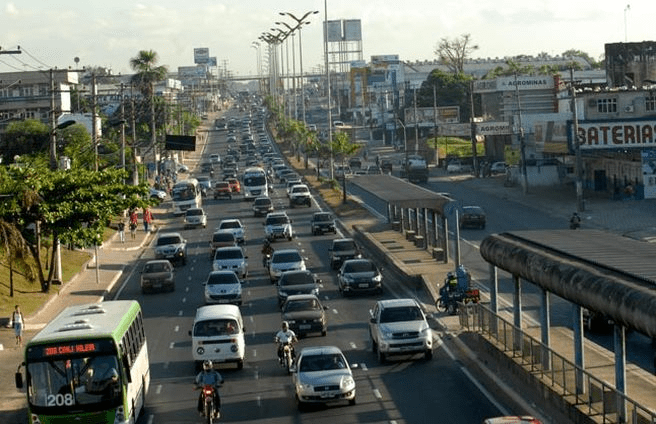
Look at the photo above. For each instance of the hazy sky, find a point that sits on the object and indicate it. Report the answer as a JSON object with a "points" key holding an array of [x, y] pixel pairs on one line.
{"points": [[109, 32]]}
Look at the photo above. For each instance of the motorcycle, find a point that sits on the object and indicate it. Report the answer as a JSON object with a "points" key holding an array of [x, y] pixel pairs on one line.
{"points": [[287, 358], [210, 411]]}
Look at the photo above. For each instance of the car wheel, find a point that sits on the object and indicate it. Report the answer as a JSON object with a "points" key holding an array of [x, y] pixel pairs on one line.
{"points": [[289, 238], [240, 364], [300, 405], [428, 355], [352, 402], [324, 333], [381, 357], [374, 346]]}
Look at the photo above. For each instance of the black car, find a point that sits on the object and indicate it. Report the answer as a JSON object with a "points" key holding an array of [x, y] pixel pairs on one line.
{"points": [[359, 275], [305, 314], [341, 250], [323, 222], [473, 217], [297, 282], [262, 206]]}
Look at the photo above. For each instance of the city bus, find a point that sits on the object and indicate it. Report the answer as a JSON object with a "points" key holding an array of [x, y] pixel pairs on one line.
{"points": [[186, 194], [88, 365], [254, 183]]}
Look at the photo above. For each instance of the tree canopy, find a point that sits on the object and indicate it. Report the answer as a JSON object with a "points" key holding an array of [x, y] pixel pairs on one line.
{"points": [[453, 52]]}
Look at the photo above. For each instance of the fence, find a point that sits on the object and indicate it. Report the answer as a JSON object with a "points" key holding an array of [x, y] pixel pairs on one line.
{"points": [[592, 396]]}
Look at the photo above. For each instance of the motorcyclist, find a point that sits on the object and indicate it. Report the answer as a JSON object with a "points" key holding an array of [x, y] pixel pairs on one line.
{"points": [[451, 281], [285, 335], [267, 251], [575, 221], [209, 376]]}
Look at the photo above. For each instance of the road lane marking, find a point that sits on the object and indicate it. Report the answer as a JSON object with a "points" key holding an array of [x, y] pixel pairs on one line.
{"points": [[377, 394], [158, 390], [172, 345], [353, 345], [177, 328], [180, 313]]}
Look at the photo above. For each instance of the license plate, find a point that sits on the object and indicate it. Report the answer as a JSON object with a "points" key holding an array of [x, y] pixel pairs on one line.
{"points": [[363, 285], [304, 327], [327, 395]]}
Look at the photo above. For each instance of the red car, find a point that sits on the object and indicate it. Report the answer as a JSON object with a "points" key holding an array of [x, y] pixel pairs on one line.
{"points": [[235, 186]]}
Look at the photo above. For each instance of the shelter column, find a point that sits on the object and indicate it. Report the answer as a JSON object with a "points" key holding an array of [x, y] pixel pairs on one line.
{"points": [[579, 354], [545, 328], [426, 234], [517, 312], [494, 297], [619, 338]]}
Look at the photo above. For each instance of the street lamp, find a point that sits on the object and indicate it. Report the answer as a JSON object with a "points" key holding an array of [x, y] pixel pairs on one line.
{"points": [[299, 23]]}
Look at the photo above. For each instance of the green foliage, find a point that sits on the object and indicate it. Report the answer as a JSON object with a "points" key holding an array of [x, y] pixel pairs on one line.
{"points": [[450, 90], [24, 138]]}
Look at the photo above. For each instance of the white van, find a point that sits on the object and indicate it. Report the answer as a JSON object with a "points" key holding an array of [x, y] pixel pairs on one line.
{"points": [[218, 335]]}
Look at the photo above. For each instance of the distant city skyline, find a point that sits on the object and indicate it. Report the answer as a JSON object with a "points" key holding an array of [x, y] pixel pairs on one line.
{"points": [[108, 34]]}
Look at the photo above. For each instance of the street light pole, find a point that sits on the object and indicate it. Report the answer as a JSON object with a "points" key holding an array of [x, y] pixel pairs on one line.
{"points": [[330, 117]]}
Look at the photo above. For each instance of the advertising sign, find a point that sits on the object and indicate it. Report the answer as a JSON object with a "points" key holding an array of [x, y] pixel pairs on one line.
{"points": [[511, 83], [617, 134], [649, 172], [426, 115], [352, 30], [201, 55], [333, 31]]}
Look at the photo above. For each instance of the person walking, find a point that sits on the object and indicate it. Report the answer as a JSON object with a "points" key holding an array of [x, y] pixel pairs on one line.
{"points": [[17, 323], [147, 218], [121, 231], [133, 224]]}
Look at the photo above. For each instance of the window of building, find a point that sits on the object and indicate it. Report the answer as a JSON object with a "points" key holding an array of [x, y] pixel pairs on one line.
{"points": [[606, 105], [650, 103]]}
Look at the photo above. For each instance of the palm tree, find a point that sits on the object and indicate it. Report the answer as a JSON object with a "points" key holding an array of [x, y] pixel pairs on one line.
{"points": [[147, 74], [16, 252]]}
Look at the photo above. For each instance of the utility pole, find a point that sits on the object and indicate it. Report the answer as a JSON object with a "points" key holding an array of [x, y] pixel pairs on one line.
{"points": [[94, 129], [473, 129], [53, 122], [580, 205], [135, 171], [122, 129], [520, 134]]}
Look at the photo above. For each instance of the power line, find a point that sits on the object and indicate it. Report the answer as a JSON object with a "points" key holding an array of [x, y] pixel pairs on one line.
{"points": [[37, 60]]}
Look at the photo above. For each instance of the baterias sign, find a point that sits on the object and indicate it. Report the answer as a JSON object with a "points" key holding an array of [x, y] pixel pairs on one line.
{"points": [[617, 135]]}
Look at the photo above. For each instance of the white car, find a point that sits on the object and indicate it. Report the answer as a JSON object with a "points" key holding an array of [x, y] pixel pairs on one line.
{"points": [[235, 226], [399, 326], [323, 375], [231, 258], [498, 168], [278, 225], [157, 194], [223, 287], [195, 217], [283, 260]]}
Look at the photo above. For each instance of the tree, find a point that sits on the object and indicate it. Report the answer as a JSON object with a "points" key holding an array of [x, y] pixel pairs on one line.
{"points": [[343, 147], [147, 74], [450, 90], [453, 53], [24, 137]]}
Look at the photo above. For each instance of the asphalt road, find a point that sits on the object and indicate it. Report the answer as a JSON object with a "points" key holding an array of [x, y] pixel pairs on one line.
{"points": [[404, 391]]}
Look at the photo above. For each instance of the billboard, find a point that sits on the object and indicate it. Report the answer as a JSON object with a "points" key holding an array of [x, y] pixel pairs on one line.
{"points": [[541, 82], [201, 55], [333, 31], [426, 115], [594, 135], [181, 142], [352, 30]]}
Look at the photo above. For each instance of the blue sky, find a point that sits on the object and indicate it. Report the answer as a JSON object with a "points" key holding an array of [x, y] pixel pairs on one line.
{"points": [[108, 33]]}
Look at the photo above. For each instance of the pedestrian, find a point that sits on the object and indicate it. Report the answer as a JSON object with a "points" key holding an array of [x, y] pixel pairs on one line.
{"points": [[17, 323], [133, 223], [147, 218], [121, 231]]}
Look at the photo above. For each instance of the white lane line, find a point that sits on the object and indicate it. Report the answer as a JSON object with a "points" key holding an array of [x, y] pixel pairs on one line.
{"points": [[363, 367], [335, 311], [172, 345], [480, 387], [254, 353], [184, 300], [166, 365], [151, 417], [353, 345], [177, 328], [180, 313], [259, 400], [158, 390], [187, 289], [377, 394]]}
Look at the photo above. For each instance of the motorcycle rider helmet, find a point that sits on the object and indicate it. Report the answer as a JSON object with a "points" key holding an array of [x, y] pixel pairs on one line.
{"points": [[207, 365]]}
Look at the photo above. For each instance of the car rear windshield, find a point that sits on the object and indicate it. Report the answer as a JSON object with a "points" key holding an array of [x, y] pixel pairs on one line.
{"points": [[321, 217], [344, 245], [286, 257], [230, 224], [277, 220], [223, 278], [262, 202], [301, 305], [163, 241], [157, 267], [229, 254], [359, 266], [399, 314], [296, 278]]}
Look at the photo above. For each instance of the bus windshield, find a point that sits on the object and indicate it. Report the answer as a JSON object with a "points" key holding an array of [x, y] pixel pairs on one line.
{"points": [[69, 384], [183, 193], [258, 180]]}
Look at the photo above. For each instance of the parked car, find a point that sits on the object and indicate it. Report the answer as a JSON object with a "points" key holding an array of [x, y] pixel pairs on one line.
{"points": [[222, 238], [386, 166], [262, 206], [283, 260], [157, 194], [171, 246], [305, 314], [374, 170], [195, 217], [223, 287], [323, 222], [341, 250], [359, 275], [322, 375], [498, 168], [222, 189], [355, 163], [157, 274], [235, 226], [399, 326], [297, 282], [278, 225], [472, 216], [231, 258]]}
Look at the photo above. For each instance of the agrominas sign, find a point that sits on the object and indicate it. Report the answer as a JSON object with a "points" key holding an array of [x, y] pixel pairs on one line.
{"points": [[617, 135]]}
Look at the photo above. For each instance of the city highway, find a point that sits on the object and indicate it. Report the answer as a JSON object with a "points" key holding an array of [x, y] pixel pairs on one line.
{"points": [[403, 391]]}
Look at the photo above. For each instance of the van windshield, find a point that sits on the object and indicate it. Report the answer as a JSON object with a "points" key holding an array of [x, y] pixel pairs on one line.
{"points": [[215, 327]]}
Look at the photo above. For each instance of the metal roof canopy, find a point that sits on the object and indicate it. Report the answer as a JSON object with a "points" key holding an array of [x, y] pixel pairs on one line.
{"points": [[603, 272], [400, 192]]}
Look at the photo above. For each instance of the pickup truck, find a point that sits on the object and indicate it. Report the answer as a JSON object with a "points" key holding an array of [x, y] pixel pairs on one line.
{"points": [[300, 195]]}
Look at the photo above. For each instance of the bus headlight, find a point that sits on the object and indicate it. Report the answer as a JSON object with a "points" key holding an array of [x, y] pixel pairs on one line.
{"points": [[200, 350]]}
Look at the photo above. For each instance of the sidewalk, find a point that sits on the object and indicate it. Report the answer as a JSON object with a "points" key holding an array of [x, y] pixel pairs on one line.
{"points": [[87, 286]]}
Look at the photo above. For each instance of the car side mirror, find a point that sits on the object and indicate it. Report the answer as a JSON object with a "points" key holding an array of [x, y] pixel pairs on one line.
{"points": [[190, 332]]}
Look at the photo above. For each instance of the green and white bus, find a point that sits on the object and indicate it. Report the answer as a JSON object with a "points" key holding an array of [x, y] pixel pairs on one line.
{"points": [[88, 365]]}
